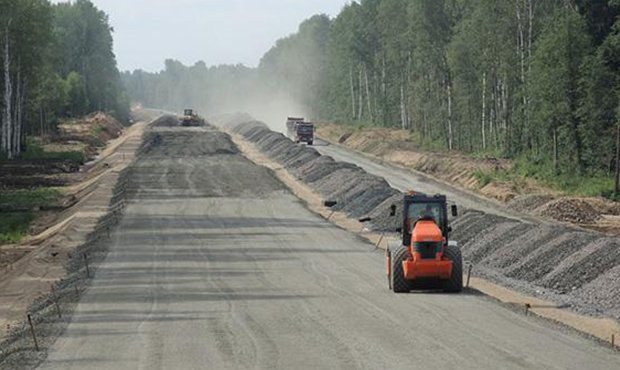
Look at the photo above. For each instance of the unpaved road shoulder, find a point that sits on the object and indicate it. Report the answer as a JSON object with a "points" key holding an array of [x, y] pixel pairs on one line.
{"points": [[32, 276]]}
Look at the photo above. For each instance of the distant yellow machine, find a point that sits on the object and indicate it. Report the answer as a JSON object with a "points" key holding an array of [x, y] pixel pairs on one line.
{"points": [[191, 119]]}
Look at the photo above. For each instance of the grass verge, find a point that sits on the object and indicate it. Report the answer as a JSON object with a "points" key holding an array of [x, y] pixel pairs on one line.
{"points": [[14, 225], [35, 151]]}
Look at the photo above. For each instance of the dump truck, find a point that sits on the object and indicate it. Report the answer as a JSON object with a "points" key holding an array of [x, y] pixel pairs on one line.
{"points": [[291, 126], [300, 131], [191, 119], [425, 258]]}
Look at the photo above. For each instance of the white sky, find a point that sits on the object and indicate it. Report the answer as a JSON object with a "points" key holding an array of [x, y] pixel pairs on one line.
{"points": [[216, 31]]}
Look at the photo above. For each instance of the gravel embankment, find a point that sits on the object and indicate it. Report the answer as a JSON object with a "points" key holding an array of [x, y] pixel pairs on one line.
{"points": [[575, 268]]}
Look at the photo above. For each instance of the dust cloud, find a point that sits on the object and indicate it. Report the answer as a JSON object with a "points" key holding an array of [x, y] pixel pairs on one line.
{"points": [[273, 110]]}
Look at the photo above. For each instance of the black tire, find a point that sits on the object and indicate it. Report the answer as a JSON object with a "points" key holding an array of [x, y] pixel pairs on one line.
{"points": [[310, 143], [455, 283], [399, 283], [388, 256]]}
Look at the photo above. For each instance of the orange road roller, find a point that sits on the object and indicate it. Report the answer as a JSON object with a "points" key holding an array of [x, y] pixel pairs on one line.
{"points": [[426, 259]]}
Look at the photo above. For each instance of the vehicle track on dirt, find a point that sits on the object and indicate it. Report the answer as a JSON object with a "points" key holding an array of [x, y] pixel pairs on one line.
{"points": [[217, 265]]}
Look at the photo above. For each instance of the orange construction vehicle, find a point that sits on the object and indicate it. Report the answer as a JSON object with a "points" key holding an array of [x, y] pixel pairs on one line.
{"points": [[425, 259], [191, 119]]}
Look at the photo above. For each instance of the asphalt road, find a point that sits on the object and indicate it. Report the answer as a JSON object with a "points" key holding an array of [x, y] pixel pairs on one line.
{"points": [[217, 266]]}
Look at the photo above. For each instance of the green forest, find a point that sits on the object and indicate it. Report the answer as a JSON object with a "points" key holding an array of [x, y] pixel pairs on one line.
{"points": [[536, 81], [56, 61]]}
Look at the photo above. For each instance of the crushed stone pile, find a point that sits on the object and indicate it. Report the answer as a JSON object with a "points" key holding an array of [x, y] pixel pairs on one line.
{"points": [[357, 192], [187, 144], [167, 120], [569, 210], [558, 263], [528, 203], [572, 267]]}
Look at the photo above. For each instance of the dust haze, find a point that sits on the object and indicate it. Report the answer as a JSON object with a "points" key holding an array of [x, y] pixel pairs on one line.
{"points": [[274, 110], [266, 106], [288, 81]]}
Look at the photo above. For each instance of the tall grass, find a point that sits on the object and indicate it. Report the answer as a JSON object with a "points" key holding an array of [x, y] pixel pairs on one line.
{"points": [[13, 226]]}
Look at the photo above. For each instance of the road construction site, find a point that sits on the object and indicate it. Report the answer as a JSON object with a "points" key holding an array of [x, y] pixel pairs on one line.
{"points": [[216, 264], [575, 268]]}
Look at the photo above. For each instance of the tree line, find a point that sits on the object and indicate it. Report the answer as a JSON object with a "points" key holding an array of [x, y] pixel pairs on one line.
{"points": [[535, 80], [56, 61]]}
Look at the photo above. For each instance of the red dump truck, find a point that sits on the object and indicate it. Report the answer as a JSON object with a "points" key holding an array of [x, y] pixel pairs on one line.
{"points": [[300, 131]]}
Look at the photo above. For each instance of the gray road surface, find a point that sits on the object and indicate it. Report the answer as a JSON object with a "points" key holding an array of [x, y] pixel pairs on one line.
{"points": [[405, 180], [216, 266]]}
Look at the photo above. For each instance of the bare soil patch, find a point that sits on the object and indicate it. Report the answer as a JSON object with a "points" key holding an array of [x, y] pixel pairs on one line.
{"points": [[29, 269]]}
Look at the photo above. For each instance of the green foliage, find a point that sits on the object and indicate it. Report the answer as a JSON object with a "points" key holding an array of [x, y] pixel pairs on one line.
{"points": [[13, 226], [76, 93], [483, 178], [555, 78], [84, 55], [29, 198], [34, 151], [538, 81], [61, 64]]}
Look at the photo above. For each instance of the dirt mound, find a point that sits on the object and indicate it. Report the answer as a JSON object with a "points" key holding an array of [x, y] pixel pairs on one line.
{"points": [[98, 126], [604, 206], [569, 210], [86, 135], [357, 192], [187, 144], [200, 163], [166, 121], [528, 203]]}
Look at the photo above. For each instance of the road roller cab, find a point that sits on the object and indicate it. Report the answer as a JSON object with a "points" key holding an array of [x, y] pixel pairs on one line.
{"points": [[191, 119], [426, 258]]}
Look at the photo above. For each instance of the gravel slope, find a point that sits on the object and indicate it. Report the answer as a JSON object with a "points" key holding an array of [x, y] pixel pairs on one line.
{"points": [[543, 259], [204, 273]]}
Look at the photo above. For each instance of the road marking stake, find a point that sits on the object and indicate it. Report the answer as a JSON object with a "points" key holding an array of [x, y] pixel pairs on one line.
{"points": [[34, 337], [613, 340], [58, 309], [87, 269], [380, 240], [469, 275]]}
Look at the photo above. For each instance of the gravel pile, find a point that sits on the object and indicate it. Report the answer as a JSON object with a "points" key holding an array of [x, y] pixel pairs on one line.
{"points": [[166, 121], [569, 210], [187, 144], [358, 193], [528, 203], [557, 263], [554, 262], [602, 295]]}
